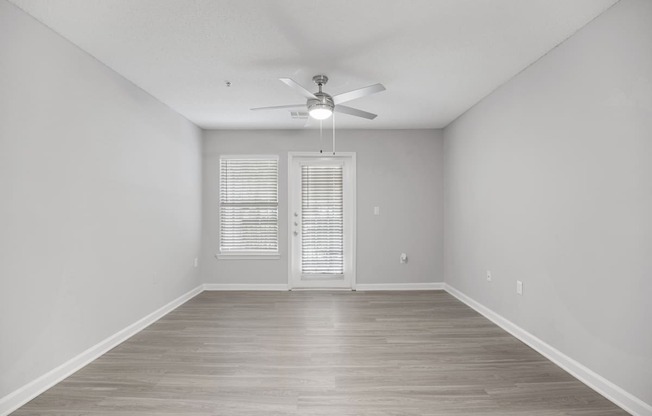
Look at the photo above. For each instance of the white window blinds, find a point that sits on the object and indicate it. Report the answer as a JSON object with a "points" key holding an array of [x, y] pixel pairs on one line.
{"points": [[248, 205], [322, 220]]}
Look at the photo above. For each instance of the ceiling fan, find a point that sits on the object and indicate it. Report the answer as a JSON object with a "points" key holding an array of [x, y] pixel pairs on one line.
{"points": [[321, 105]]}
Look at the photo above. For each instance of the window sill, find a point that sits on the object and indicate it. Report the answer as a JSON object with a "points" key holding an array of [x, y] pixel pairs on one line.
{"points": [[248, 256]]}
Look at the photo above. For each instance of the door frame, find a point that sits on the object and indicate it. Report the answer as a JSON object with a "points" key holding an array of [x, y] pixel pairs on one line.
{"points": [[350, 208]]}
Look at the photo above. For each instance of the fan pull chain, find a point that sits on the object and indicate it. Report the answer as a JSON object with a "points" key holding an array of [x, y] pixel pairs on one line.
{"points": [[333, 133], [321, 140]]}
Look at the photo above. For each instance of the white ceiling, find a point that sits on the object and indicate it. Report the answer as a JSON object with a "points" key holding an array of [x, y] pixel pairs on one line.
{"points": [[437, 58]]}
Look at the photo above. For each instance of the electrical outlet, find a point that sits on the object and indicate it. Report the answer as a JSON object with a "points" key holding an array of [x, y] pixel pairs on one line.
{"points": [[488, 275], [196, 263], [403, 258], [376, 210], [519, 287]]}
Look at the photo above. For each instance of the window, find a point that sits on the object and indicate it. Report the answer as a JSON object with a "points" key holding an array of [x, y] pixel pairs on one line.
{"points": [[322, 220], [248, 206]]}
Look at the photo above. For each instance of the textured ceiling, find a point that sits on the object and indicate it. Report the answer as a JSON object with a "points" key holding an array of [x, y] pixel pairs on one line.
{"points": [[437, 58]]}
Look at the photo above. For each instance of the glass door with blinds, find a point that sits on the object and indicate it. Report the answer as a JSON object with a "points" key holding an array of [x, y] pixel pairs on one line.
{"points": [[322, 220]]}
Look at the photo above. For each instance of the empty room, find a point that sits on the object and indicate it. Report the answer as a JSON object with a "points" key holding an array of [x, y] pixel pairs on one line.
{"points": [[346, 208]]}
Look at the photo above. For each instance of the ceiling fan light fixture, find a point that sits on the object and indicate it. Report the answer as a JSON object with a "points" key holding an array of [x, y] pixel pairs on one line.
{"points": [[320, 111]]}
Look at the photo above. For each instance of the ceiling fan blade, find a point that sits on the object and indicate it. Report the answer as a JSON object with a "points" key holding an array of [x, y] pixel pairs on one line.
{"points": [[281, 107], [354, 112], [359, 93], [297, 87]]}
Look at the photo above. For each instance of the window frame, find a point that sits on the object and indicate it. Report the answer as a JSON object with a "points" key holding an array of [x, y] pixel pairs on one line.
{"points": [[248, 255], [302, 199]]}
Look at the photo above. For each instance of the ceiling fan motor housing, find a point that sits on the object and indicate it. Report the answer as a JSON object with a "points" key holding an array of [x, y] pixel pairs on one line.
{"points": [[323, 101]]}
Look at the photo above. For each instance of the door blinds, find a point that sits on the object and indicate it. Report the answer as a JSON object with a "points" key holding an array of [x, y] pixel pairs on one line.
{"points": [[248, 205], [322, 220]]}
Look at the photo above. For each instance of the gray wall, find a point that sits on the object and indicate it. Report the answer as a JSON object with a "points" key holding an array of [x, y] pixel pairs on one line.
{"points": [[549, 180], [398, 170], [100, 189]]}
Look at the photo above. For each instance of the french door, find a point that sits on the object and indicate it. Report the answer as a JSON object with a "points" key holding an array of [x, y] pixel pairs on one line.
{"points": [[322, 220]]}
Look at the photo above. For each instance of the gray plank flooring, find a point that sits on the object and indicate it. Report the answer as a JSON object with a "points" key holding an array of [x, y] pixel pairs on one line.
{"points": [[321, 353]]}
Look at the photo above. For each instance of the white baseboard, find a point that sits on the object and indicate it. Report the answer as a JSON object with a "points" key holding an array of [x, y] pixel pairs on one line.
{"points": [[16, 399], [235, 286], [399, 286], [359, 287], [606, 388], [616, 394]]}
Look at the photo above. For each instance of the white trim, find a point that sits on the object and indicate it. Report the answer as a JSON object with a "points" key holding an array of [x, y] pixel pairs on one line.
{"points": [[245, 156], [400, 286], [241, 256], [350, 218], [606, 388], [325, 155], [19, 397], [245, 287]]}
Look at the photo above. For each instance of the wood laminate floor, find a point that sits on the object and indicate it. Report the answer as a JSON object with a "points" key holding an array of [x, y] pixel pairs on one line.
{"points": [[321, 353]]}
